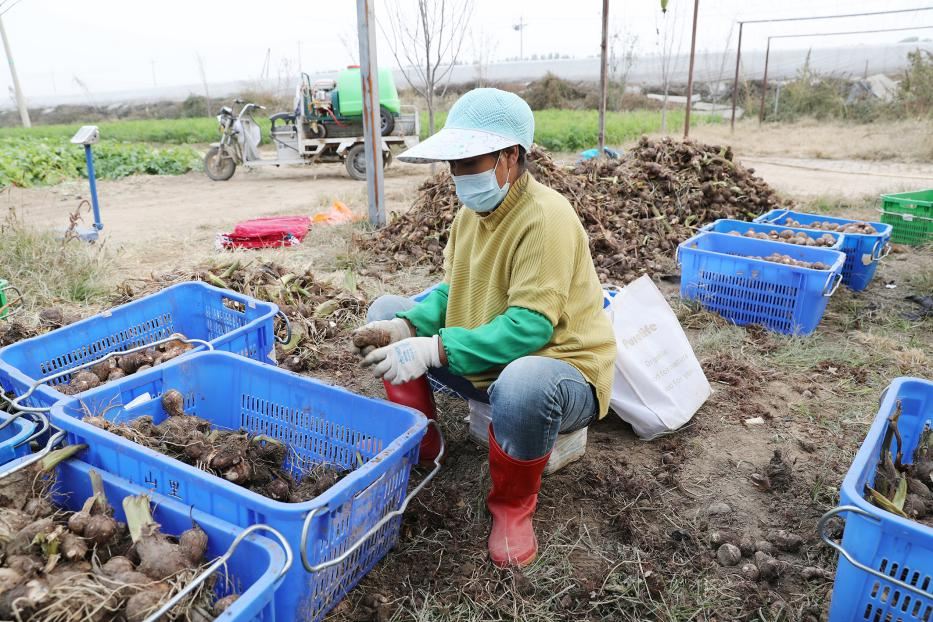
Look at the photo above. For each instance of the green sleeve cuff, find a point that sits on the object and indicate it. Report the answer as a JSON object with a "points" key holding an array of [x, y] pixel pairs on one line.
{"points": [[429, 316], [516, 333]]}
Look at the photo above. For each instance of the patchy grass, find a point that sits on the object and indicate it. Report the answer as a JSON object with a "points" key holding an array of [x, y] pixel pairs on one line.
{"points": [[50, 271]]}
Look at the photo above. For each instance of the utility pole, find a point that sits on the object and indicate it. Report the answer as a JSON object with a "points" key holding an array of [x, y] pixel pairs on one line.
{"points": [[693, 47], [520, 27], [764, 84], [603, 79], [20, 99], [735, 83], [372, 127]]}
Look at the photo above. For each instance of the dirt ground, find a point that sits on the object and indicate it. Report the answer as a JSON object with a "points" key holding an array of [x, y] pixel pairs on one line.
{"points": [[156, 223], [629, 531]]}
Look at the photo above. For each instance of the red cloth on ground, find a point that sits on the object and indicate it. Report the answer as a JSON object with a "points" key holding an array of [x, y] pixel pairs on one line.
{"points": [[267, 232]]}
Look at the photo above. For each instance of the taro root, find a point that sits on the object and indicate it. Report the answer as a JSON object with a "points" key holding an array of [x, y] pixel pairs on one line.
{"points": [[85, 377], [116, 565], [370, 336], [173, 402], [130, 363], [144, 603], [159, 557], [193, 543], [116, 373], [223, 604], [103, 370]]}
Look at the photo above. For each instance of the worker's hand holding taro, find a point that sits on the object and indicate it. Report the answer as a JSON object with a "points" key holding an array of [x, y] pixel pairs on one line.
{"points": [[405, 360], [378, 334]]}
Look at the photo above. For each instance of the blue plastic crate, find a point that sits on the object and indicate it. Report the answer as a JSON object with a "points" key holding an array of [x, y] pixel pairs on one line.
{"points": [[12, 435], [885, 569], [863, 251], [717, 272], [229, 321], [319, 422], [254, 569], [726, 225]]}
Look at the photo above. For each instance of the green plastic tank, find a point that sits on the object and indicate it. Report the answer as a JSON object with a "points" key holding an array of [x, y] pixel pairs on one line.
{"points": [[350, 97]]}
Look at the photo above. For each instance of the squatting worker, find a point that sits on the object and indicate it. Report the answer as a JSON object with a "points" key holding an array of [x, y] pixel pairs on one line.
{"points": [[518, 320]]}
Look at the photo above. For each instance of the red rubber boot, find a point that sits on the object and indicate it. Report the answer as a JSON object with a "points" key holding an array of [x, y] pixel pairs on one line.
{"points": [[417, 394], [511, 502]]}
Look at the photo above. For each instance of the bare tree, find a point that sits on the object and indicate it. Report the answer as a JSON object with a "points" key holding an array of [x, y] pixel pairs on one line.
{"points": [[427, 45], [484, 46], [207, 93], [622, 57], [667, 36]]}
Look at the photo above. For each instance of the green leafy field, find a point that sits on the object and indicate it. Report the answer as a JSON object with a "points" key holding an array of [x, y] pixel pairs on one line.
{"points": [[167, 131], [41, 161]]}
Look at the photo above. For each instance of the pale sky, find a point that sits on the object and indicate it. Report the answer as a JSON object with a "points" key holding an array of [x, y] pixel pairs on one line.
{"points": [[122, 44]]}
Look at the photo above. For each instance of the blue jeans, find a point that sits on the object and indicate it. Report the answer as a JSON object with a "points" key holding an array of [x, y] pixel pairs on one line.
{"points": [[534, 399]]}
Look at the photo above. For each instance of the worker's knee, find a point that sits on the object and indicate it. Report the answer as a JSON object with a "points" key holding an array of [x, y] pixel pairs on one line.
{"points": [[385, 307]]}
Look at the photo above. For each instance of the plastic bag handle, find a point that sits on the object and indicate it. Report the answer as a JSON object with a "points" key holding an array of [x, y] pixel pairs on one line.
{"points": [[220, 561], [36, 383], [372, 530], [821, 529]]}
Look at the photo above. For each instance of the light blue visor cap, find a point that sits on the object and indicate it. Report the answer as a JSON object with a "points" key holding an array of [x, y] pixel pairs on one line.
{"points": [[481, 121]]}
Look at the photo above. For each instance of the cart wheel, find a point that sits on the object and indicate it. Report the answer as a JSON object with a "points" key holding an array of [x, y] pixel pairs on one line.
{"points": [[218, 167], [320, 132], [386, 120], [356, 162]]}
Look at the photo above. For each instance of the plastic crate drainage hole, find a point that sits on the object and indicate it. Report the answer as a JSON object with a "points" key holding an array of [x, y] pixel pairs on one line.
{"points": [[155, 329], [313, 439], [222, 320], [887, 598], [748, 300]]}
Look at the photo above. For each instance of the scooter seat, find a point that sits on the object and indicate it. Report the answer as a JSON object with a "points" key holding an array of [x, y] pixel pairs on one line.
{"points": [[284, 117]]}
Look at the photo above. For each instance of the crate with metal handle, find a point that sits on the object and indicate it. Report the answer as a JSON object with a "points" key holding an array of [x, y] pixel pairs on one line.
{"points": [[783, 287], [225, 572], [181, 318], [342, 532], [864, 243], [885, 569], [910, 215]]}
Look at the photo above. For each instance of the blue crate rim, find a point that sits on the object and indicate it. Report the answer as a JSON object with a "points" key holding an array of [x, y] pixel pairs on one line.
{"points": [[836, 266], [277, 555], [50, 393], [860, 506], [883, 229], [25, 427], [837, 235], [358, 479]]}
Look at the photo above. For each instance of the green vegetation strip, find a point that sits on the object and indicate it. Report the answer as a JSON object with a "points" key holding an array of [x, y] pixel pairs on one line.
{"points": [[29, 162], [573, 130]]}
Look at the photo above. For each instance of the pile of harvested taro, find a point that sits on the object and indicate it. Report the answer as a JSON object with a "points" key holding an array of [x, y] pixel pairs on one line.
{"points": [[316, 309], [62, 566], [904, 489], [256, 462], [636, 209]]}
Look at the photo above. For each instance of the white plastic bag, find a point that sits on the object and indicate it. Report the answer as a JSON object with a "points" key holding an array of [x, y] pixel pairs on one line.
{"points": [[658, 383]]}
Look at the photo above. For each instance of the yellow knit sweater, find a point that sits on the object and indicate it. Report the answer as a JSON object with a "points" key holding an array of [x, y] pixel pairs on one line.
{"points": [[532, 252]]}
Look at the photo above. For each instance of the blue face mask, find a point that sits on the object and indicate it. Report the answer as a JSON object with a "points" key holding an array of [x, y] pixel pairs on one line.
{"points": [[480, 191]]}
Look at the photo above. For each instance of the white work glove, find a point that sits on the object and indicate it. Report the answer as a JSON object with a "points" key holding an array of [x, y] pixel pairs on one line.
{"points": [[404, 360], [397, 329]]}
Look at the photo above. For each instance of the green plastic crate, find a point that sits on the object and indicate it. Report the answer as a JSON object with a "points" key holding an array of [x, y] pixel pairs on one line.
{"points": [[911, 216]]}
